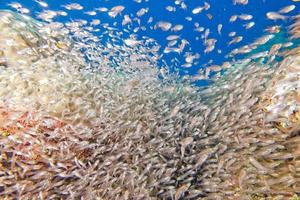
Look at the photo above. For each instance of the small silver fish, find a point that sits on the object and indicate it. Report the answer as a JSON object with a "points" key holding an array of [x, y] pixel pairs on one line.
{"points": [[73, 6], [220, 28], [245, 17], [242, 2], [177, 27], [233, 18], [142, 12], [236, 39], [170, 8], [180, 191], [275, 16], [197, 10], [232, 34], [91, 13], [116, 10], [163, 25], [184, 144], [249, 25], [42, 3], [273, 29], [287, 9]]}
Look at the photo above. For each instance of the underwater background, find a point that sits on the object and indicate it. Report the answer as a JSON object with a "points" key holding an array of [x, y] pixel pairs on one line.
{"points": [[145, 99]]}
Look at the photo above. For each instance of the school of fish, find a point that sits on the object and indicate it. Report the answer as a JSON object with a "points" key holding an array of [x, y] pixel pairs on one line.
{"points": [[86, 117]]}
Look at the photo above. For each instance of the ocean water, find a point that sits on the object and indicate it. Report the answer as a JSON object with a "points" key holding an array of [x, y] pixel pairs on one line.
{"points": [[145, 99], [220, 12]]}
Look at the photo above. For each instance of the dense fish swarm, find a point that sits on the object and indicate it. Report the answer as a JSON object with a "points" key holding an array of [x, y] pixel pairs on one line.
{"points": [[190, 34], [75, 124]]}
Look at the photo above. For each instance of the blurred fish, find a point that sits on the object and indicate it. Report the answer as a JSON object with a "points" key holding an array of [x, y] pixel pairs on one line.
{"points": [[180, 191], [273, 29], [142, 12], [243, 2], [91, 13], [219, 28], [15, 5], [126, 20], [197, 10], [73, 6], [163, 25], [114, 11], [131, 42], [275, 16], [172, 37], [177, 27], [232, 34], [171, 8], [236, 39], [245, 17], [42, 3], [263, 40], [206, 5], [249, 25], [209, 16], [287, 9], [233, 18], [184, 144], [102, 9]]}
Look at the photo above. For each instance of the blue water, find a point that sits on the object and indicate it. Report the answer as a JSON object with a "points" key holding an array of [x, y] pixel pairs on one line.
{"points": [[221, 10]]}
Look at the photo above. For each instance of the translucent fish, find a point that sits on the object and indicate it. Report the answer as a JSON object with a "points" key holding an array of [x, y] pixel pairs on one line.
{"points": [[47, 15], [131, 42], [73, 6], [273, 29], [189, 58], [233, 18], [91, 13], [183, 6], [245, 17], [126, 20], [232, 34], [189, 18], [287, 9], [199, 29], [102, 9], [219, 28], [275, 16], [209, 16], [114, 11], [180, 191], [206, 5], [42, 3], [172, 37], [142, 12], [95, 22], [15, 5], [24, 10], [242, 2], [259, 55], [172, 43], [263, 40], [177, 27], [197, 10], [170, 8], [249, 25], [236, 39], [184, 144], [163, 25]]}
